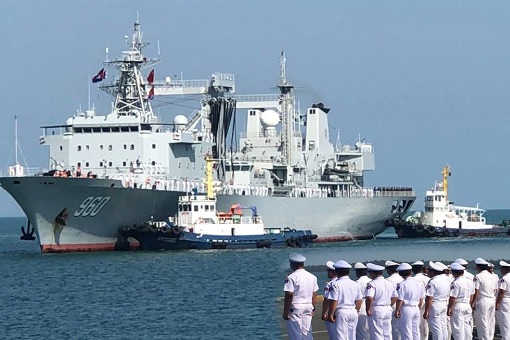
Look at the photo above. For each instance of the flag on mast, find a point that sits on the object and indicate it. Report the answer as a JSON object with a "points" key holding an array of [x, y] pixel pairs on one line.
{"points": [[100, 76], [150, 78], [151, 93]]}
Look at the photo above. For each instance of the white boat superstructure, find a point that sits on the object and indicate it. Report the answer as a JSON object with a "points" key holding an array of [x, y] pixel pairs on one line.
{"points": [[441, 212]]}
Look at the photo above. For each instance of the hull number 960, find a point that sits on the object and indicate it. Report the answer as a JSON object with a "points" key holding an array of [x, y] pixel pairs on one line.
{"points": [[91, 206]]}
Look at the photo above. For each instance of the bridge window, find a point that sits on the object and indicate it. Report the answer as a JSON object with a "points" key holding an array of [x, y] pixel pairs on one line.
{"points": [[101, 147], [86, 164], [110, 163], [153, 146], [96, 129], [87, 130], [87, 147], [132, 147], [100, 163], [61, 148], [195, 208], [115, 129], [206, 207], [110, 147], [125, 147], [124, 129], [79, 147], [124, 163]]}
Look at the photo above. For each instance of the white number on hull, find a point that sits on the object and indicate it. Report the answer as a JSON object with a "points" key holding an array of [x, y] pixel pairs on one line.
{"points": [[91, 206]]}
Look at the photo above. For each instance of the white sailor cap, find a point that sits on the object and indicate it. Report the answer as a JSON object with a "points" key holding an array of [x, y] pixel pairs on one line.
{"points": [[374, 267], [435, 266], [461, 262], [342, 265], [330, 264], [360, 265], [491, 265], [404, 266], [457, 266], [391, 263], [504, 264], [442, 265], [481, 261], [418, 263], [295, 257]]}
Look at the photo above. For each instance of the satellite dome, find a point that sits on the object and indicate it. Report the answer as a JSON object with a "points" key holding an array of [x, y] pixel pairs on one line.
{"points": [[269, 118], [180, 120]]}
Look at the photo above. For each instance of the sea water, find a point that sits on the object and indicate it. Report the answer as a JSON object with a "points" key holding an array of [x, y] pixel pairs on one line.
{"points": [[217, 294]]}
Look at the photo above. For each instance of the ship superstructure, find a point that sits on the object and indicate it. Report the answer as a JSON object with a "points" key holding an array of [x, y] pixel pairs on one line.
{"points": [[286, 160]]}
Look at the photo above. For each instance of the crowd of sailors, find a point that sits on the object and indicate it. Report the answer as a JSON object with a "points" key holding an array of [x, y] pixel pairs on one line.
{"points": [[411, 302]]}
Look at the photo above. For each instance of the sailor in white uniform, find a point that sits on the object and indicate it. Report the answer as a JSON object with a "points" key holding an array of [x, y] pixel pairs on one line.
{"points": [[437, 293], [484, 301], [391, 269], [362, 331], [491, 270], [332, 276], [410, 298], [419, 275], [459, 304], [503, 301], [465, 263], [345, 302], [380, 295], [300, 297]]}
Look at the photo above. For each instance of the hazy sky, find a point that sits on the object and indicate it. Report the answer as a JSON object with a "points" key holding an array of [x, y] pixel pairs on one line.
{"points": [[427, 82]]}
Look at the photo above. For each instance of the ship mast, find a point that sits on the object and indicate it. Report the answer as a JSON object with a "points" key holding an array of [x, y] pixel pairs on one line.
{"points": [[16, 139], [130, 90], [286, 102], [446, 173]]}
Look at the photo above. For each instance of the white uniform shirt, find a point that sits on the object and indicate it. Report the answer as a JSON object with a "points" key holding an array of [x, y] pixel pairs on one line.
{"points": [[486, 284], [410, 291], [395, 278], [302, 284], [328, 289], [363, 281], [424, 279], [438, 288], [462, 289], [346, 292], [504, 283], [468, 275], [382, 291]]}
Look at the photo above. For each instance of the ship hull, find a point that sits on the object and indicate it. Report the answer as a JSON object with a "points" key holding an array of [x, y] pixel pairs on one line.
{"points": [[331, 218], [158, 240], [81, 214]]}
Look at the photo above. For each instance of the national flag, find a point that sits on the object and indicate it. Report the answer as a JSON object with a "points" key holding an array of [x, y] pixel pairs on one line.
{"points": [[100, 76], [151, 93], [150, 78]]}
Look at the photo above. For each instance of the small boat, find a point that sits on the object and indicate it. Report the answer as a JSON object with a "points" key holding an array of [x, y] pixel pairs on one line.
{"points": [[198, 225], [441, 218]]}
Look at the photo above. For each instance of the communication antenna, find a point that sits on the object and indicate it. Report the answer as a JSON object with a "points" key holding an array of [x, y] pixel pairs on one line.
{"points": [[159, 52]]}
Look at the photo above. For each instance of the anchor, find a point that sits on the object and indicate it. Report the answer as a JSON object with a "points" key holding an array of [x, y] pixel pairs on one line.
{"points": [[27, 235]]}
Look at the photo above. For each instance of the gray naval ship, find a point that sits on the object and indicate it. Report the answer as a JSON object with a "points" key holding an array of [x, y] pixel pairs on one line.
{"points": [[127, 167]]}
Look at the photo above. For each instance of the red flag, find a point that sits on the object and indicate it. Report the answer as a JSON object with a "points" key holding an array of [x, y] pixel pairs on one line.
{"points": [[150, 78], [100, 76], [151, 93]]}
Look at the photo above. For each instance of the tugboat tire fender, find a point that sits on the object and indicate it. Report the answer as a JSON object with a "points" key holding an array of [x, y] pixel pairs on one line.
{"points": [[164, 229], [299, 241], [419, 228], [175, 230], [431, 230], [291, 242]]}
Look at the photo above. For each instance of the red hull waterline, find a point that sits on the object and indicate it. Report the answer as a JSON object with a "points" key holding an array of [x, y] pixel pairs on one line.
{"points": [[93, 247], [83, 247]]}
